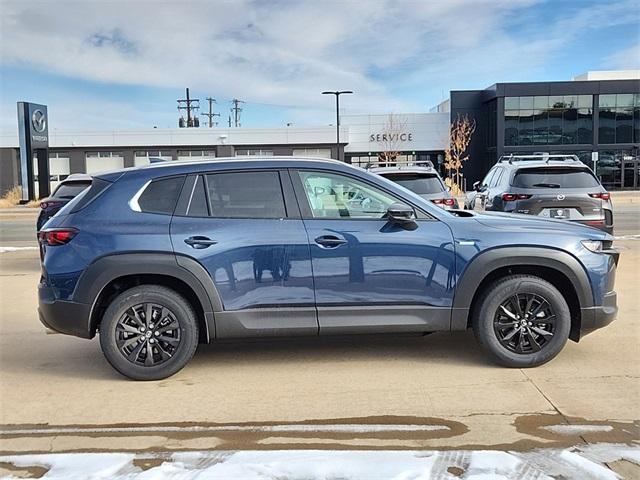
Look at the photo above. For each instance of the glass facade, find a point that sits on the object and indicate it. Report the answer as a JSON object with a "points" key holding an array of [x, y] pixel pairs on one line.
{"points": [[548, 120], [619, 118]]}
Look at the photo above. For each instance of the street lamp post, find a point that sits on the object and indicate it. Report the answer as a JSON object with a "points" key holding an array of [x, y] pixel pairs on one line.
{"points": [[337, 93]]}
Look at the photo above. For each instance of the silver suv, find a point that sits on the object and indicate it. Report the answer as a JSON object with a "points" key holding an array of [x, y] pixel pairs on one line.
{"points": [[551, 186], [424, 181]]}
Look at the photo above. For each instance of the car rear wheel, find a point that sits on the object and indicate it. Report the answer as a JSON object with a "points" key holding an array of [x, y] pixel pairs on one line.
{"points": [[522, 321], [149, 332]]}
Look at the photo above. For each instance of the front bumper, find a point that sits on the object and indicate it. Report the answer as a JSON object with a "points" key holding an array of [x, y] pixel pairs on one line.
{"points": [[599, 316], [70, 318]]}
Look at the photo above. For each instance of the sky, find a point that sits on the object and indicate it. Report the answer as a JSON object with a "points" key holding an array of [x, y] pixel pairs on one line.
{"points": [[116, 64]]}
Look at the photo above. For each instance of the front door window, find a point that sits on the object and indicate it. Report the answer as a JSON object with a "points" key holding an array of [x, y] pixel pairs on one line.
{"points": [[337, 196]]}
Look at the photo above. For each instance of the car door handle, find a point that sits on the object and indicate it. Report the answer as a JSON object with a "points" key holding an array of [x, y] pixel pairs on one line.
{"points": [[330, 241], [199, 242]]}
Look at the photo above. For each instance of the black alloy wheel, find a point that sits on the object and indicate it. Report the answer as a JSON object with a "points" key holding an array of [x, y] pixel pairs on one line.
{"points": [[147, 334], [524, 323]]}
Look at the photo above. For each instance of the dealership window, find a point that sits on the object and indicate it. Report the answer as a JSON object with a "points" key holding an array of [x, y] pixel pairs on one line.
{"points": [[312, 152], [196, 154], [548, 120], [141, 157], [254, 152], [619, 118], [103, 161]]}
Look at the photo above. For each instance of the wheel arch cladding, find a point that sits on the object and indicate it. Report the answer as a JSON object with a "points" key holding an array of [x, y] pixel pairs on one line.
{"points": [[559, 268], [111, 275]]}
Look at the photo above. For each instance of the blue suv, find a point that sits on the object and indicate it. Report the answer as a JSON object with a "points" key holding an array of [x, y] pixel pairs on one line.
{"points": [[159, 258]]}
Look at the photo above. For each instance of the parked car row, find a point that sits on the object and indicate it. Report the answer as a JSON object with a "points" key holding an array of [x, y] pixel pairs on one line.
{"points": [[549, 186], [159, 258]]}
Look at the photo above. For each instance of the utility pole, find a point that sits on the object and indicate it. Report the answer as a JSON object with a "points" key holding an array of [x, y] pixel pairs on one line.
{"points": [[211, 113], [190, 105], [337, 94], [236, 111]]}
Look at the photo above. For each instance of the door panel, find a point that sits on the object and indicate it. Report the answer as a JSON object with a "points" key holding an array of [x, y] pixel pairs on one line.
{"points": [[371, 275], [260, 266]]}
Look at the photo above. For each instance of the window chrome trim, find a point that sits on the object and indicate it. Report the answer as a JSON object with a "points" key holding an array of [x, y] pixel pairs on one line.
{"points": [[133, 203]]}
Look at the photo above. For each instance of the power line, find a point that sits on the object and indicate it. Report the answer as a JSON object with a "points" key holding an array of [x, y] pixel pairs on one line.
{"points": [[236, 110], [211, 113], [190, 105]]}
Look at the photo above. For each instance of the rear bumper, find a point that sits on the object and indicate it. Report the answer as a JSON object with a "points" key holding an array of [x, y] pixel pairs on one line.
{"points": [[599, 316], [70, 318]]}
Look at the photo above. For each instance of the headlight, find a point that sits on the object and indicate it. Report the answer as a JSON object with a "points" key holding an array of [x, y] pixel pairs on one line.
{"points": [[593, 245]]}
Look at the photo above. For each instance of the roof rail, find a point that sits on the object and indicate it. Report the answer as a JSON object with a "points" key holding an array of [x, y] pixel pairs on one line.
{"points": [[544, 157]]}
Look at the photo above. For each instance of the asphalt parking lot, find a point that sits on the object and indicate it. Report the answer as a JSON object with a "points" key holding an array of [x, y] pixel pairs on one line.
{"points": [[58, 394]]}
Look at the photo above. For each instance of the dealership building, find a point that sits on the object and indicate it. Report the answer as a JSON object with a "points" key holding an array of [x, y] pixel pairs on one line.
{"points": [[596, 116], [416, 138]]}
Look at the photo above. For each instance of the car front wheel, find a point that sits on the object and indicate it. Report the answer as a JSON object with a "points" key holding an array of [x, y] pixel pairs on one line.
{"points": [[522, 321], [149, 332]]}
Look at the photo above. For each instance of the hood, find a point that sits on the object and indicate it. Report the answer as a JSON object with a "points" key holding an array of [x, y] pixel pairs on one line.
{"points": [[516, 222]]}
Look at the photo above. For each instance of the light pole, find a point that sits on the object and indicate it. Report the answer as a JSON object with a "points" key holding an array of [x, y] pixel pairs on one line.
{"points": [[337, 93]]}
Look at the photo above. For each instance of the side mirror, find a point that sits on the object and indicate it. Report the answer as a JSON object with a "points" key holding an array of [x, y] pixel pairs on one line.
{"points": [[448, 188], [401, 214], [476, 186]]}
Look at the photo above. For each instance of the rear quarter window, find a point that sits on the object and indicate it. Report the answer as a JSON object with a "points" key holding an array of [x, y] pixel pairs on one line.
{"points": [[161, 195], [555, 178]]}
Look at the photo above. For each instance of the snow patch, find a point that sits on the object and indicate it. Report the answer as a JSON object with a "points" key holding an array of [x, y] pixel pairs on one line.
{"points": [[16, 249], [578, 463], [578, 429]]}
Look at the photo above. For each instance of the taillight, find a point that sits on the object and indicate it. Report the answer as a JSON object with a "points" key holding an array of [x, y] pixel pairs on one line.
{"points": [[510, 197], [449, 202], [44, 205], [57, 236], [603, 196]]}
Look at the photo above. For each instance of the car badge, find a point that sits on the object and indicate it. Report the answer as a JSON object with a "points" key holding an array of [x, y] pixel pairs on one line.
{"points": [[560, 197]]}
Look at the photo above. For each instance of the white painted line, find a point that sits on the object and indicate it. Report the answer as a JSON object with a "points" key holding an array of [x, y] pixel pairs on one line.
{"points": [[578, 429], [334, 428], [16, 249], [627, 237]]}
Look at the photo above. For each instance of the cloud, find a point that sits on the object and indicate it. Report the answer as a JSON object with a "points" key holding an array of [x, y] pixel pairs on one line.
{"points": [[286, 52], [627, 59]]}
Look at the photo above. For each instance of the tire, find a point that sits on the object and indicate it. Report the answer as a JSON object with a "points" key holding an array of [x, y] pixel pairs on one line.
{"points": [[172, 340], [526, 345]]}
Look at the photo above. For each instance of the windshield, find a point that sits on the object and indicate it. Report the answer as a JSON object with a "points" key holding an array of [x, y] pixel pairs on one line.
{"points": [[554, 178], [421, 184], [70, 189]]}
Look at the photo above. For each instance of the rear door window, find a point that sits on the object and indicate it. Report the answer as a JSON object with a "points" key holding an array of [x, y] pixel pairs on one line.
{"points": [[555, 178], [245, 195], [421, 184]]}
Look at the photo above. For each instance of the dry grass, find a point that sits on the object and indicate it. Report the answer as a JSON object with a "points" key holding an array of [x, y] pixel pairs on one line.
{"points": [[11, 198]]}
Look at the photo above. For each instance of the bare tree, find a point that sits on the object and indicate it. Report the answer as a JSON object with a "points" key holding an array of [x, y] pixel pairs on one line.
{"points": [[391, 139], [460, 133]]}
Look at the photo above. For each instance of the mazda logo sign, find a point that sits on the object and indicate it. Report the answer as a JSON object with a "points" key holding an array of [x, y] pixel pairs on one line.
{"points": [[39, 121], [560, 197]]}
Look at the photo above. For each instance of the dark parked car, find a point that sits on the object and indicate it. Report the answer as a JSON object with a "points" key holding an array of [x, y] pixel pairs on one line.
{"points": [[550, 186], [68, 189], [424, 181], [159, 258]]}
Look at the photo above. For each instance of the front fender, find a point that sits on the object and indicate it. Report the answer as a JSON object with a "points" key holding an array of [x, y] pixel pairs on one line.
{"points": [[488, 261]]}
